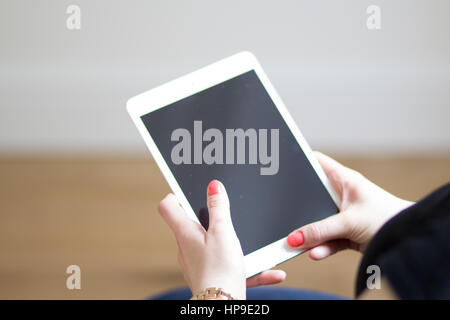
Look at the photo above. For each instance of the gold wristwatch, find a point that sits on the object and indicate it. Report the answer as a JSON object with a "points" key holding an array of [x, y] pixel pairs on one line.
{"points": [[212, 294]]}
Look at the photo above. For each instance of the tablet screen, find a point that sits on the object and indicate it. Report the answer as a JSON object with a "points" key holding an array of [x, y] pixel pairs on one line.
{"points": [[234, 133]]}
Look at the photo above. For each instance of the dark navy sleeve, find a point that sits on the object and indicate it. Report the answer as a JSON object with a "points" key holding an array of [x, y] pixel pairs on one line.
{"points": [[413, 250]]}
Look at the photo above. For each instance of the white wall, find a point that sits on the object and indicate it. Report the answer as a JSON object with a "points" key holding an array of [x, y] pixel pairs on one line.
{"points": [[350, 89]]}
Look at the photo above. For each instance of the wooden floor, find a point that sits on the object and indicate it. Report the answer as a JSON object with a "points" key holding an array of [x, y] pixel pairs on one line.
{"points": [[101, 214]]}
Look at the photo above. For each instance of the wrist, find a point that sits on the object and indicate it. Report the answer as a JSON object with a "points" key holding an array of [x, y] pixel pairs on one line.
{"points": [[235, 290], [213, 293]]}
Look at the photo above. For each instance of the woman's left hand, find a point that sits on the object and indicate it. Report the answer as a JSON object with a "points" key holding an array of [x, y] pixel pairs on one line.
{"points": [[212, 258]]}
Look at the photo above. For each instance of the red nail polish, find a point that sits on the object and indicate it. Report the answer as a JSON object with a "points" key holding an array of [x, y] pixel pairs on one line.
{"points": [[213, 187], [296, 239]]}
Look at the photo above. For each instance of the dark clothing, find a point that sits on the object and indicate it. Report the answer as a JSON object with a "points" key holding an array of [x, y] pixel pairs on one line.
{"points": [[259, 293], [413, 250]]}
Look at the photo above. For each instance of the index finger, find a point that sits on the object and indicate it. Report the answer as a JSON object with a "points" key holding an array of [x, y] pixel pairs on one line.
{"points": [[175, 216]]}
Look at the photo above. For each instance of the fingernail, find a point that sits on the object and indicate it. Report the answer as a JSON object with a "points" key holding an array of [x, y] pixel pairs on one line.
{"points": [[296, 239], [213, 187]]}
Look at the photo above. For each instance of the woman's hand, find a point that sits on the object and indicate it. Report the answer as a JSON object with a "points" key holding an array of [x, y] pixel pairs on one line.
{"points": [[212, 258], [364, 208]]}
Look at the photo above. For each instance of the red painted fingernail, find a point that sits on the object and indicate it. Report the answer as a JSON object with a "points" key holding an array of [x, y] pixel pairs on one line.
{"points": [[213, 187], [296, 239]]}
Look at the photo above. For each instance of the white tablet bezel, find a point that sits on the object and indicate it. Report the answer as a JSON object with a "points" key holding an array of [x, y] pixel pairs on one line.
{"points": [[178, 89]]}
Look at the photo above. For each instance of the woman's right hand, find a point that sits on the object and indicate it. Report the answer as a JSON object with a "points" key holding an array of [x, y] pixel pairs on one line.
{"points": [[364, 208]]}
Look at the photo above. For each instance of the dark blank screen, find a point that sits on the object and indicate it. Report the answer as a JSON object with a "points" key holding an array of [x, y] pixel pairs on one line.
{"points": [[264, 208]]}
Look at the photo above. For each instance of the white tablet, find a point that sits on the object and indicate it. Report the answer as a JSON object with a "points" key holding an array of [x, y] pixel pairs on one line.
{"points": [[227, 122]]}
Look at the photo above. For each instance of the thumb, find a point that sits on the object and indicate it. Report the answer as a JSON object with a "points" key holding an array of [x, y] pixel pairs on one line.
{"points": [[314, 234], [218, 204]]}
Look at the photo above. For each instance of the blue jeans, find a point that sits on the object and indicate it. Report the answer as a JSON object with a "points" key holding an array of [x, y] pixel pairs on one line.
{"points": [[258, 293]]}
